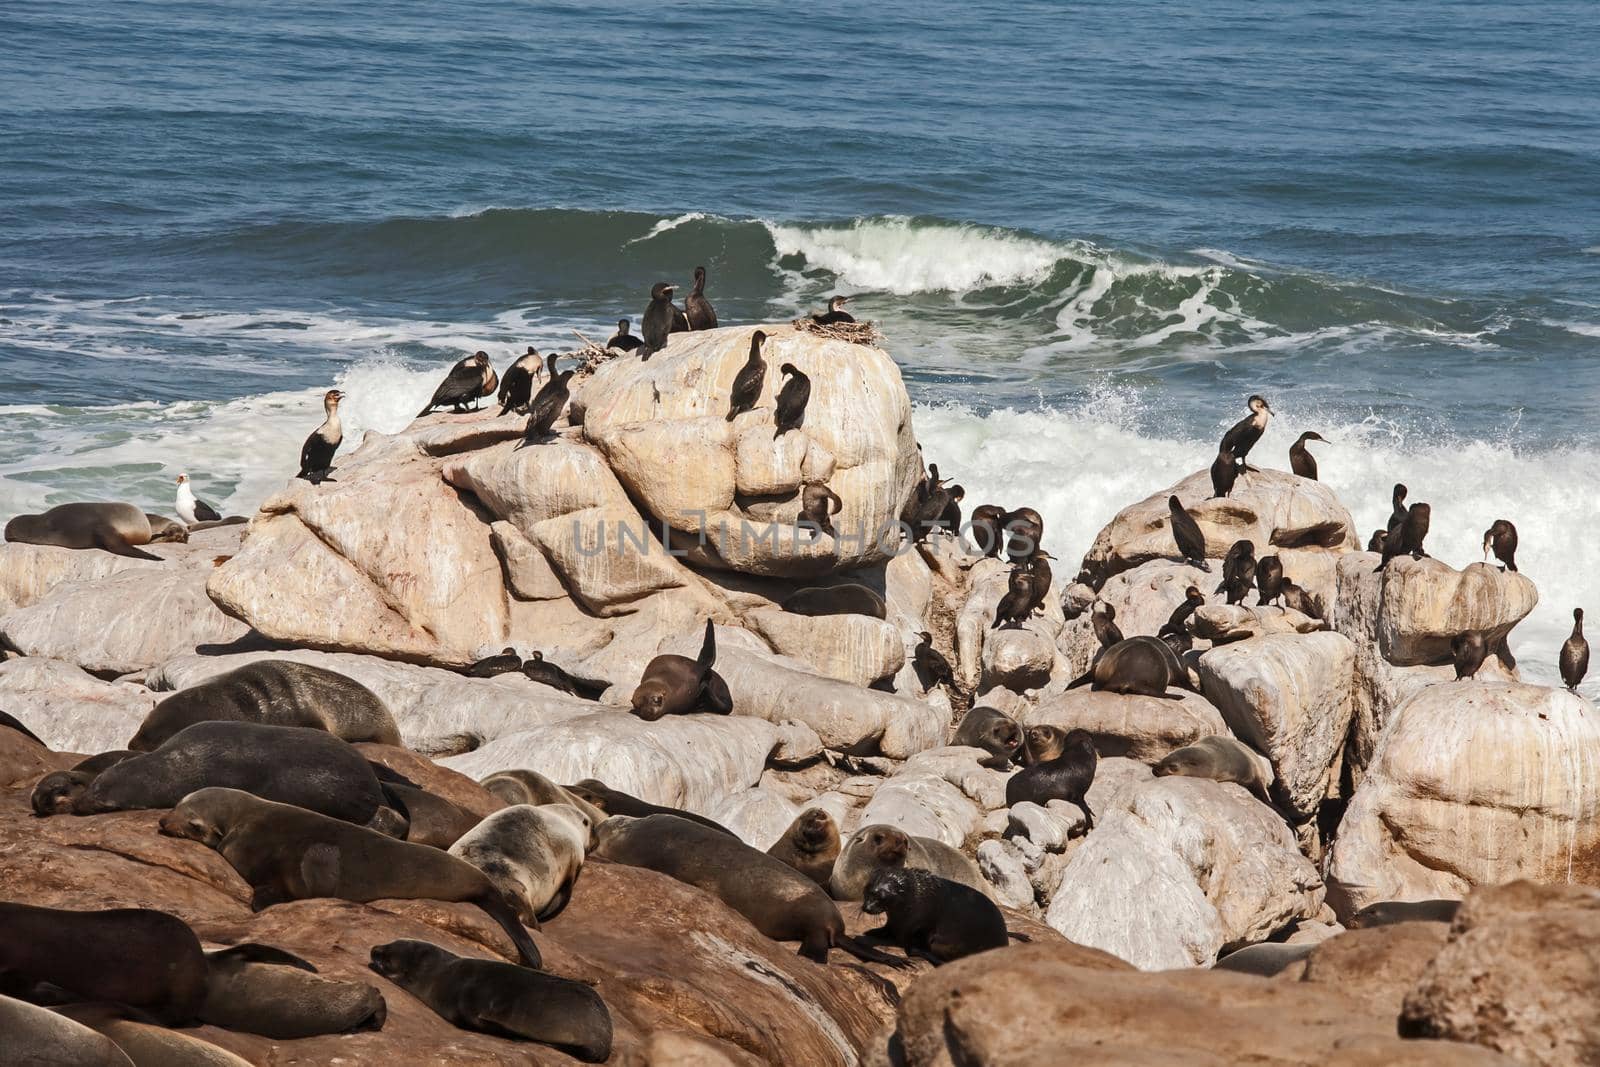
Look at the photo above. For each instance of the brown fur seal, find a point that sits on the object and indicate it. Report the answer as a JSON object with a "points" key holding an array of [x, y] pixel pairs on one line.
{"points": [[288, 853], [31, 1036], [1222, 759], [139, 957], [678, 685], [993, 731], [1141, 666], [533, 854], [1389, 912], [610, 802], [115, 528], [518, 786], [880, 845], [810, 845], [57, 792], [932, 917], [288, 764], [1060, 766], [849, 598], [286, 999], [277, 692], [430, 819], [779, 901], [166, 531], [500, 999]]}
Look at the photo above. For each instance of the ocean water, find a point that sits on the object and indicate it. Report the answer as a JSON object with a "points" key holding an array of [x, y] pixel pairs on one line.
{"points": [[1088, 232]]}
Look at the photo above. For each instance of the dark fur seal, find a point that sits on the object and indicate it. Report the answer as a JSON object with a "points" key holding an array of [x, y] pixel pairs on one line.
{"points": [[287, 853], [1574, 661], [516, 384], [986, 528], [810, 845], [932, 917], [1408, 539], [615, 802], [1142, 666], [1186, 532], [276, 692], [1224, 473], [696, 308], [285, 999], [930, 664], [1060, 766], [678, 685], [1502, 537], [1301, 461], [547, 404], [57, 792], [532, 853], [818, 505], [779, 901], [1243, 435], [658, 319], [748, 382], [879, 845], [848, 598], [993, 731], [835, 313], [792, 400], [430, 819], [316, 455], [622, 340], [1468, 651], [1269, 580], [1221, 759], [1390, 912], [464, 383], [114, 528], [520, 786], [499, 998], [1238, 571], [288, 764]]}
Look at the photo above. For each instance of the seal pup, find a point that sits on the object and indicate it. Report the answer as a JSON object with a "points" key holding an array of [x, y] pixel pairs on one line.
{"points": [[748, 382], [1177, 622], [165, 531], [500, 998], [1575, 653], [507, 662], [139, 957], [622, 340], [287, 853], [1141, 666], [931, 666], [521, 786], [58, 791], [1269, 580], [779, 901], [818, 505], [285, 999], [985, 528], [697, 310], [546, 406], [1224, 473], [1238, 571], [39, 1037], [114, 528], [1186, 532], [810, 845], [658, 320], [1390, 912], [1219, 758], [678, 685], [1024, 530], [847, 598], [932, 917], [292, 765], [1301, 461], [611, 802], [1103, 617], [316, 455], [1468, 650], [464, 382], [792, 399], [191, 509], [532, 854], [1407, 540], [538, 669], [835, 314], [879, 845], [1243, 435], [516, 385], [1017, 603], [993, 731], [1502, 537], [1060, 766], [275, 692]]}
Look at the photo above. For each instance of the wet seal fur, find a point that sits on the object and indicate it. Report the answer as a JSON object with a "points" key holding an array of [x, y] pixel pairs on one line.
{"points": [[287, 853], [880, 845], [810, 845], [1060, 766], [499, 998], [678, 685], [534, 854], [115, 528], [275, 692], [993, 731], [932, 917]]}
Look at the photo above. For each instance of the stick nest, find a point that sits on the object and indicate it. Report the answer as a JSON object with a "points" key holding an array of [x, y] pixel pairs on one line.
{"points": [[860, 333]]}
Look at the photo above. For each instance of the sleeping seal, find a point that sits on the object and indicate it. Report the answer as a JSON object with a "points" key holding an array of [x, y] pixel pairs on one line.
{"points": [[115, 528]]}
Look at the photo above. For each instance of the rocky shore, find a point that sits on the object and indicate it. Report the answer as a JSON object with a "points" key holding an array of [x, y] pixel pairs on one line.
{"points": [[649, 513]]}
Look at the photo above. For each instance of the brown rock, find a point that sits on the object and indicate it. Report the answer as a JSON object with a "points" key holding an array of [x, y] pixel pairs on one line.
{"points": [[1379, 965]]}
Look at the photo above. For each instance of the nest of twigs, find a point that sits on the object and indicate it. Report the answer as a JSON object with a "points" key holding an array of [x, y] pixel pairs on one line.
{"points": [[590, 356], [860, 333]]}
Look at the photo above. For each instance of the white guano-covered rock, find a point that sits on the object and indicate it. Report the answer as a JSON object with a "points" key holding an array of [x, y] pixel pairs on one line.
{"points": [[69, 709], [857, 649]]}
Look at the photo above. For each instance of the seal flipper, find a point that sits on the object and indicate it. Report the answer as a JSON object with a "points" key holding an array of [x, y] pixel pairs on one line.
{"points": [[558, 902], [253, 952], [869, 954], [118, 547], [503, 913]]}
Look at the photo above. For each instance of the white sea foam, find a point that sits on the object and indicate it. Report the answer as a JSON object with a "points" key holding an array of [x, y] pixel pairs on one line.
{"points": [[667, 225]]}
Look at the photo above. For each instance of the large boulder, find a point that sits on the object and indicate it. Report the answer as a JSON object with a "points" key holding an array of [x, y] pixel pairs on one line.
{"points": [[1273, 509], [1380, 964], [1288, 695], [660, 424], [1420, 604], [857, 649], [1474, 783], [69, 709], [1177, 869], [1139, 727]]}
